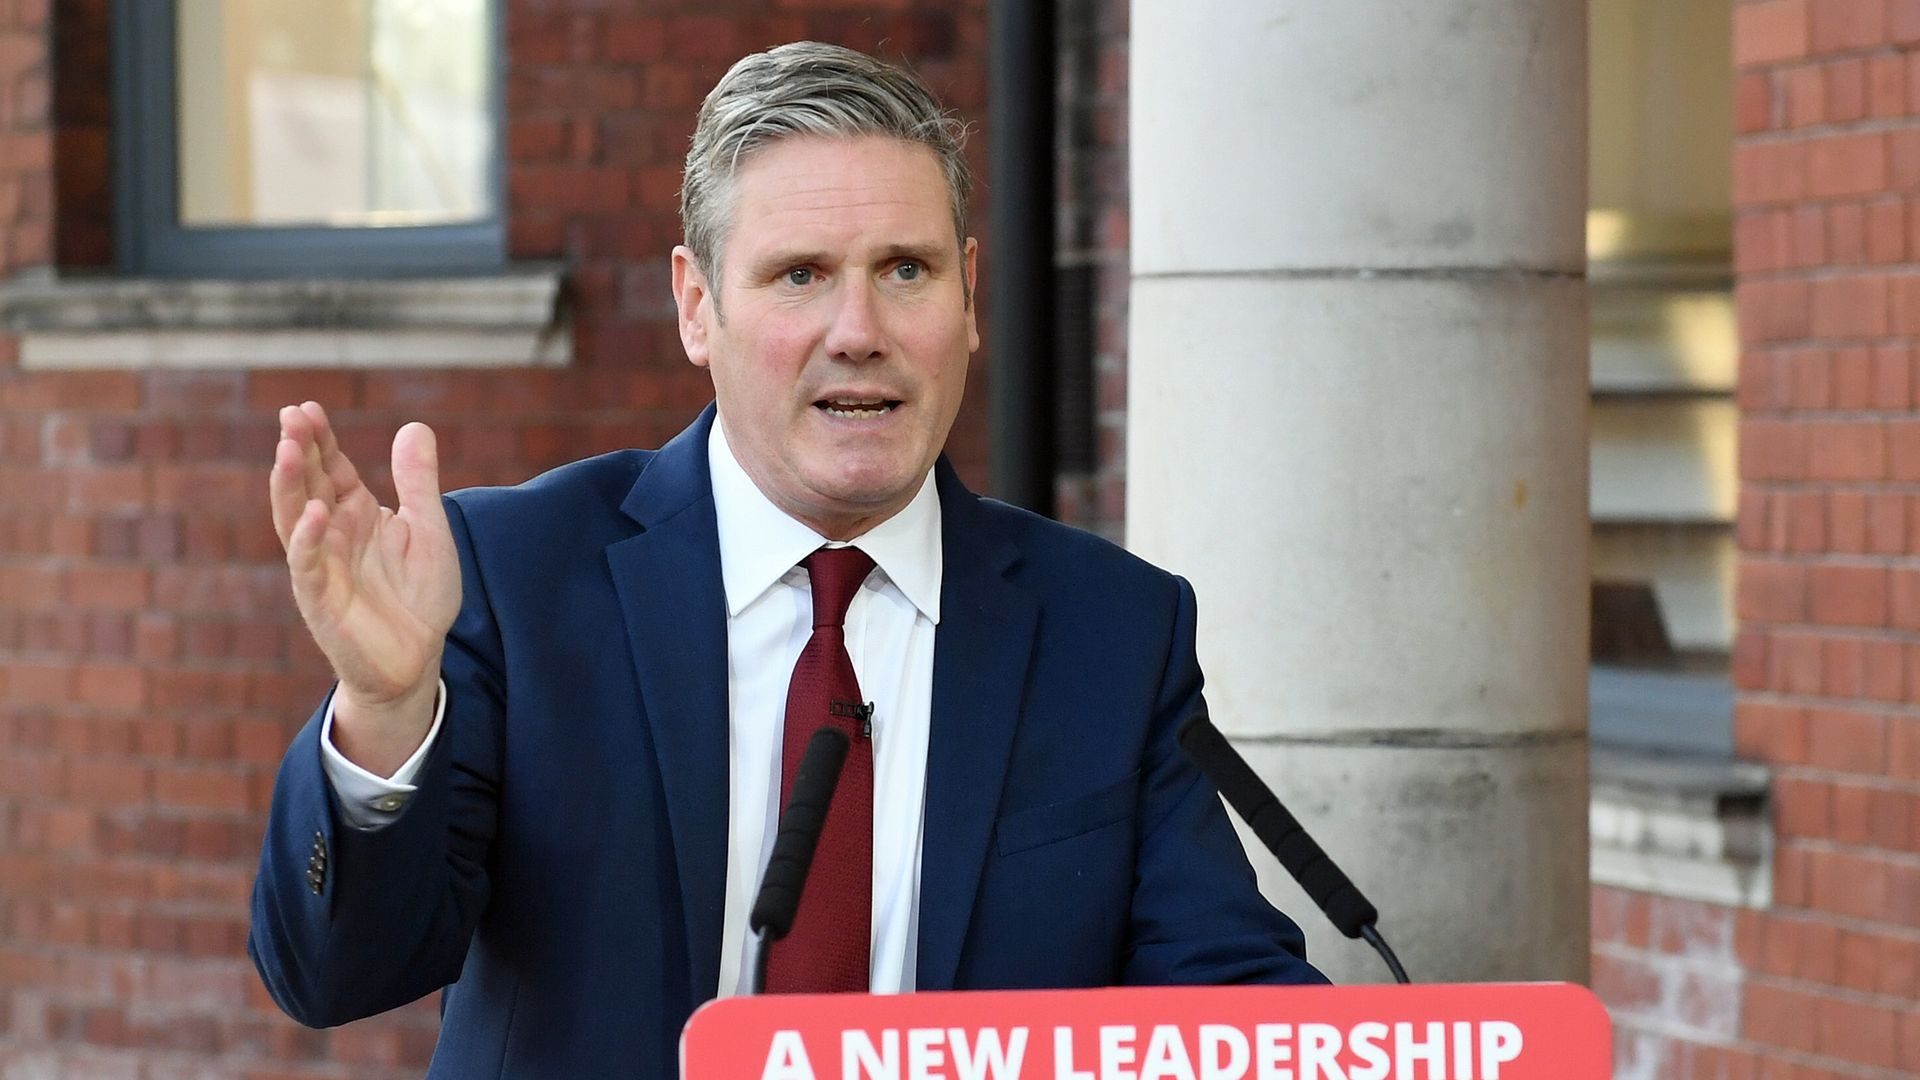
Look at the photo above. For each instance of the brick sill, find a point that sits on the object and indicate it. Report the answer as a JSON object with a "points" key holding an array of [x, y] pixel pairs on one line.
{"points": [[510, 319], [1689, 827]]}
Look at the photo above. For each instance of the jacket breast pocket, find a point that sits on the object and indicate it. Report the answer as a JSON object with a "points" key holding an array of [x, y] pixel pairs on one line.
{"points": [[1023, 830]]}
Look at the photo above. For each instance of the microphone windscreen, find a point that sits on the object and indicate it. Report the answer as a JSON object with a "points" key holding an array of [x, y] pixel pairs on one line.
{"points": [[1222, 764], [799, 835], [1323, 881]]}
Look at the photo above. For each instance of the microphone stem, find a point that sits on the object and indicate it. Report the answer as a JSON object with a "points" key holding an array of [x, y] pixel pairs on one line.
{"points": [[1386, 952], [763, 944]]}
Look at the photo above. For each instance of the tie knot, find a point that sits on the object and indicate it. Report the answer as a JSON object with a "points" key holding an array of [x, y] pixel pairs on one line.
{"points": [[835, 575]]}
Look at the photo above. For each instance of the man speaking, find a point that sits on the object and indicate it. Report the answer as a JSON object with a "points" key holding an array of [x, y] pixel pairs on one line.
{"points": [[567, 712]]}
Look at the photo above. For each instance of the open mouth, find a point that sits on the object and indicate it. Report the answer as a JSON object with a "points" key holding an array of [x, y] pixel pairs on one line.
{"points": [[856, 408]]}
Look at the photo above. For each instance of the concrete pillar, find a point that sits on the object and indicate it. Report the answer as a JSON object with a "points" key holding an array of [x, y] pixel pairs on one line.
{"points": [[1357, 420]]}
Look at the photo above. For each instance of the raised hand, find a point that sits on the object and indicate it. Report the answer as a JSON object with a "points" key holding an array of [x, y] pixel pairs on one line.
{"points": [[378, 588]]}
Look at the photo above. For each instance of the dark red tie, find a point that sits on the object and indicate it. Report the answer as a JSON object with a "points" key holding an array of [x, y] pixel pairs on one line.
{"points": [[828, 948]]}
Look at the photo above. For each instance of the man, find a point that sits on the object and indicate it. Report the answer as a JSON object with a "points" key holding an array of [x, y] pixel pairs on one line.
{"points": [[567, 712]]}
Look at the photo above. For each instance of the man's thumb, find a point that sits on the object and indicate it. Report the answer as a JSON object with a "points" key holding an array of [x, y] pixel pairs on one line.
{"points": [[416, 470]]}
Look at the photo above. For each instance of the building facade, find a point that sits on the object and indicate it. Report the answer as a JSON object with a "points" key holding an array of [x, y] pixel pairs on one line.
{"points": [[1756, 808]]}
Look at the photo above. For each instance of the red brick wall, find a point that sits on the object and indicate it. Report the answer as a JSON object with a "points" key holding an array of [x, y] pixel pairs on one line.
{"points": [[1672, 978], [152, 669], [26, 136], [1827, 662]]}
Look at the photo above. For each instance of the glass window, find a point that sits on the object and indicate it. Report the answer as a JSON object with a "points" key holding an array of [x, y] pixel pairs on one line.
{"points": [[301, 136], [347, 113], [1665, 358]]}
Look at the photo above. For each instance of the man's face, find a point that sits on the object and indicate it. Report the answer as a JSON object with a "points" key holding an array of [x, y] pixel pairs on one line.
{"points": [[842, 356]]}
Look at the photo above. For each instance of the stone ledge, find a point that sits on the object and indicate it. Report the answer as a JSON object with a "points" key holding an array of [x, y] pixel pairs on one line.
{"points": [[512, 319], [1689, 827]]}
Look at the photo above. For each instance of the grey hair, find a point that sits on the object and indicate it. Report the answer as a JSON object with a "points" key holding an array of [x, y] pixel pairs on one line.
{"points": [[807, 88]]}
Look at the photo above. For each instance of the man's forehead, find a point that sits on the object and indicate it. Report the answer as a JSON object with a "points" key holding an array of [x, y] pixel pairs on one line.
{"points": [[816, 145], [803, 170], [816, 189]]}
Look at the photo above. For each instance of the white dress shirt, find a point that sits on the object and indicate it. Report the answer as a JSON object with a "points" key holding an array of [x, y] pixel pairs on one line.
{"points": [[889, 634]]}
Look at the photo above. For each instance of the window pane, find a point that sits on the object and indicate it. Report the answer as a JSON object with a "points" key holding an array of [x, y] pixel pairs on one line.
{"points": [[1660, 137], [1690, 570], [347, 113], [1665, 361], [1665, 458]]}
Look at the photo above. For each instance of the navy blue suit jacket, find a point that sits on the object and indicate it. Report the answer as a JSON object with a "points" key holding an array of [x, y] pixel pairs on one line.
{"points": [[563, 863]]}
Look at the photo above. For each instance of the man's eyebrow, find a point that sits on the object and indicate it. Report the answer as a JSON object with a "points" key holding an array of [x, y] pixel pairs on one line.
{"points": [[933, 254], [926, 253], [776, 261]]}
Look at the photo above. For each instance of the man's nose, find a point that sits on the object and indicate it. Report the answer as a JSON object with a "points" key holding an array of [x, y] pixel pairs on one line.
{"points": [[856, 334]]}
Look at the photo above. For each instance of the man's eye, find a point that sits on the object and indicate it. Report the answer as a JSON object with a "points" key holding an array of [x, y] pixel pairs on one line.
{"points": [[800, 275], [908, 271]]}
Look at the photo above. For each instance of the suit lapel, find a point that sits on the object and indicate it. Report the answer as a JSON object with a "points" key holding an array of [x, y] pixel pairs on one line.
{"points": [[674, 604], [981, 654]]}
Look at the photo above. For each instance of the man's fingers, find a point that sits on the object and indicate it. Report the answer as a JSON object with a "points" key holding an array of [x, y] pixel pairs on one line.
{"points": [[339, 469], [287, 488], [298, 425], [416, 474], [306, 556], [316, 415]]}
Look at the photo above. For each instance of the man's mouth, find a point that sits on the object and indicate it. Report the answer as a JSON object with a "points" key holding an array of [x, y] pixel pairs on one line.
{"points": [[856, 408]]}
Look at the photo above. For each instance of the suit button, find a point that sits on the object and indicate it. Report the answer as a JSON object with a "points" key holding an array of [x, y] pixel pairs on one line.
{"points": [[316, 879]]}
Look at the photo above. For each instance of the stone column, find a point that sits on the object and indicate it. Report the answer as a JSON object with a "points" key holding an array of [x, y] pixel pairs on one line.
{"points": [[1357, 421]]}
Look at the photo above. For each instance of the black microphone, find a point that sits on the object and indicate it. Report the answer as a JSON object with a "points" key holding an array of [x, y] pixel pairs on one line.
{"points": [[1344, 905], [779, 897]]}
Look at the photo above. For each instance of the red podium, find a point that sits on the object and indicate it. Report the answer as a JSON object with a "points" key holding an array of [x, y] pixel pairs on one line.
{"points": [[1496, 1031]]}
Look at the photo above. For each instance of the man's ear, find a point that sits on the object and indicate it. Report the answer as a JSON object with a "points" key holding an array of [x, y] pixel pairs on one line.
{"points": [[971, 267], [695, 304]]}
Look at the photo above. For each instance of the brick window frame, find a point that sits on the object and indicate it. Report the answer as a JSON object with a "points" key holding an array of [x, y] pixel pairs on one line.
{"points": [[283, 298]]}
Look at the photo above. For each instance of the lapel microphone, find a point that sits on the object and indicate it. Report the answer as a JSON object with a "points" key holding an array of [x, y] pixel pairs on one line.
{"points": [[862, 712]]}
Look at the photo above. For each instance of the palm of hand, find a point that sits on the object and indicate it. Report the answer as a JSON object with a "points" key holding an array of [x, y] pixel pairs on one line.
{"points": [[378, 588], [387, 594]]}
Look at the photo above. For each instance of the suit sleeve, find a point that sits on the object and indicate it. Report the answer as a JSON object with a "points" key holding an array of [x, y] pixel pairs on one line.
{"points": [[349, 922], [1198, 917]]}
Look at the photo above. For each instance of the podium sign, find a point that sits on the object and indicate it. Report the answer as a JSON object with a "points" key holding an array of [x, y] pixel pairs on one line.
{"points": [[1500, 1031]]}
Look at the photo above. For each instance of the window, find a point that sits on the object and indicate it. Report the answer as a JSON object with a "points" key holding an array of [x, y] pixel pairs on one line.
{"points": [[258, 138], [1665, 358]]}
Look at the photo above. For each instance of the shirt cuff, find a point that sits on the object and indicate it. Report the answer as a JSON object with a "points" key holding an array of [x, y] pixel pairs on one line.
{"points": [[367, 801]]}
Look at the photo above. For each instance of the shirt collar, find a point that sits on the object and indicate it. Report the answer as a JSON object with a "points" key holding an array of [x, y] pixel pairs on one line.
{"points": [[759, 543]]}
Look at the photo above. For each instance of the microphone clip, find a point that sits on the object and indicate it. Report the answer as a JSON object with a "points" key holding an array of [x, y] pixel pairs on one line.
{"points": [[861, 712]]}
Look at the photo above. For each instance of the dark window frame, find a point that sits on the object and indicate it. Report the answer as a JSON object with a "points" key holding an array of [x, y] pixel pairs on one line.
{"points": [[149, 238]]}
